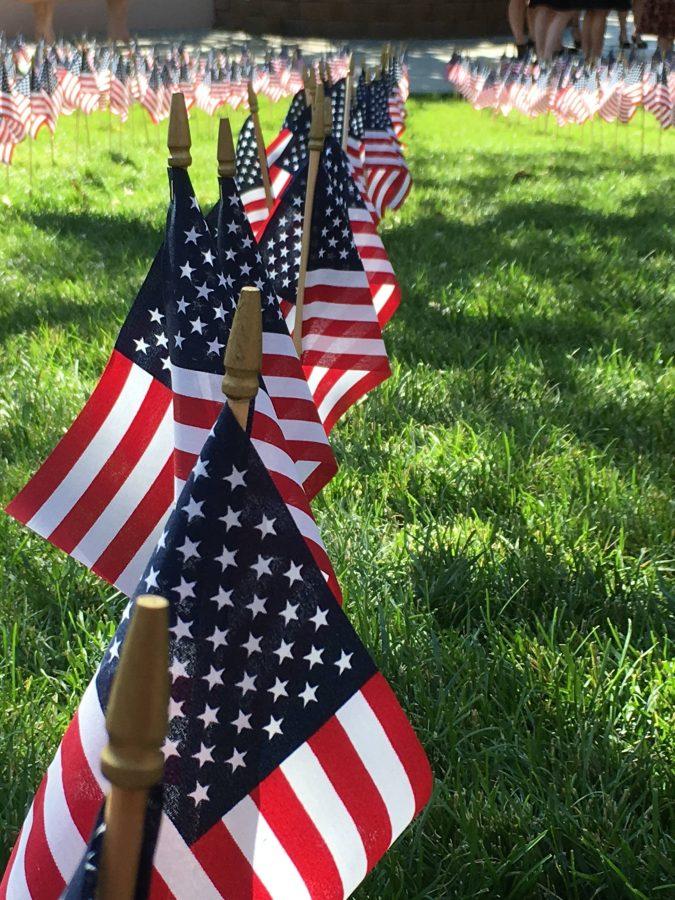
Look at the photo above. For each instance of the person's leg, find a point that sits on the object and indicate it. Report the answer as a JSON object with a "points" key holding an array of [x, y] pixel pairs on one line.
{"points": [[530, 16], [623, 33], [555, 32], [637, 24], [665, 44], [517, 20], [542, 17], [575, 28], [598, 33]]}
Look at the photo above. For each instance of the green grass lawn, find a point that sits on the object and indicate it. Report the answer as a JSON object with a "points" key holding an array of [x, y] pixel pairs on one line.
{"points": [[502, 520]]}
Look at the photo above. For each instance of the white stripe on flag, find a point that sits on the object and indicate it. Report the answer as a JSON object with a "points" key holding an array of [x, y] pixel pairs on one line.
{"points": [[344, 312], [324, 806], [66, 844], [17, 886], [95, 454], [93, 734], [282, 386], [336, 278], [179, 867], [337, 391], [356, 346], [261, 847], [380, 759], [190, 438]]}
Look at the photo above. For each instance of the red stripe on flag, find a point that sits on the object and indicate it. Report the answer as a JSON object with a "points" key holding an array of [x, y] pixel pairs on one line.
{"points": [[82, 792], [42, 875], [227, 867], [398, 729], [299, 836], [120, 551], [159, 890], [194, 411], [69, 449], [115, 470], [355, 787]]}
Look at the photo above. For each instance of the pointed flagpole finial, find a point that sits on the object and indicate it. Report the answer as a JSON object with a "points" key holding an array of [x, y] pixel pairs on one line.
{"points": [[225, 153], [243, 354], [252, 98], [136, 719], [178, 139]]}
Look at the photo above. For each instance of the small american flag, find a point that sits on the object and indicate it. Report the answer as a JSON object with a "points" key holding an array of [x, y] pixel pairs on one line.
{"points": [[343, 352], [285, 156], [290, 767], [109, 485], [658, 100], [387, 176]]}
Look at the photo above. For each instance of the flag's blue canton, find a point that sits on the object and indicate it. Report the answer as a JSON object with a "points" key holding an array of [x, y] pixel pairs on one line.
{"points": [[377, 107], [337, 99], [183, 312], [261, 655], [299, 114], [240, 258], [248, 166], [332, 242]]}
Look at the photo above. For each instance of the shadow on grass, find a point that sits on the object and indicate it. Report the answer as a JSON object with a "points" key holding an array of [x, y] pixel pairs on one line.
{"points": [[111, 254]]}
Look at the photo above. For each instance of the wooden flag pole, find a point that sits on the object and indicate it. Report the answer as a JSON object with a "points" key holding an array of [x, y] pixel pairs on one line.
{"points": [[316, 138], [310, 85], [349, 86], [227, 159], [178, 138], [260, 143], [132, 761], [243, 355]]}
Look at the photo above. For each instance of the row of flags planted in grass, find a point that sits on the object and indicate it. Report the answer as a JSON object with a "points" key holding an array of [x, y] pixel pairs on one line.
{"points": [[573, 92], [289, 767], [61, 79]]}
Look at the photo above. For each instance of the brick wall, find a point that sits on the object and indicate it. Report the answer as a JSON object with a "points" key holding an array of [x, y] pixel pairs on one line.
{"points": [[365, 18]]}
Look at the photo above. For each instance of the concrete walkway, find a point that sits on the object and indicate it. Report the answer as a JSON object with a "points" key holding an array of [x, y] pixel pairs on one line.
{"points": [[426, 59]]}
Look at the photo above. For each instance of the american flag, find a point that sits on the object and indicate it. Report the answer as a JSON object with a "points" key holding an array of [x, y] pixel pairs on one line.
{"points": [[659, 102], [387, 176], [344, 355], [14, 113], [384, 287], [44, 97], [156, 97], [107, 488], [88, 95], [632, 90], [119, 89], [290, 767], [285, 156]]}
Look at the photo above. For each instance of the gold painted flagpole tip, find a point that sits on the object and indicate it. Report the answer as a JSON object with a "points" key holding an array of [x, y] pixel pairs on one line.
{"points": [[178, 139], [137, 716], [225, 153], [243, 355]]}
